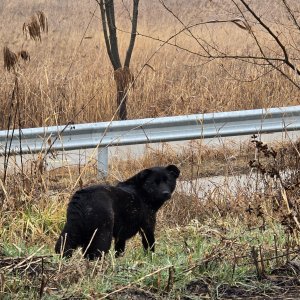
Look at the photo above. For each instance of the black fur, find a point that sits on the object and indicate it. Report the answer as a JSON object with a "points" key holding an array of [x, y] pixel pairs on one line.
{"points": [[99, 213]]}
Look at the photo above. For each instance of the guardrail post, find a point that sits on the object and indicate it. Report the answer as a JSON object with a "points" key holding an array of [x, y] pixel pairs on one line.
{"points": [[102, 162]]}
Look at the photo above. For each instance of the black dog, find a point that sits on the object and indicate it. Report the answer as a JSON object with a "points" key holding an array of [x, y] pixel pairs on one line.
{"points": [[99, 213]]}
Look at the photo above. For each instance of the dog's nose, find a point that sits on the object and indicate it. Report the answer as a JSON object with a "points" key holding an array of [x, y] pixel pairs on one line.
{"points": [[166, 194]]}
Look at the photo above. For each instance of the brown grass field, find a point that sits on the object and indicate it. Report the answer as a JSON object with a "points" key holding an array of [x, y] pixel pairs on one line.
{"points": [[231, 243], [66, 72]]}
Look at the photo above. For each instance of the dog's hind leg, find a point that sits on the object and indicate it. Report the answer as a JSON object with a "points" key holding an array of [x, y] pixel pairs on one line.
{"points": [[99, 244], [69, 240], [119, 246], [64, 245]]}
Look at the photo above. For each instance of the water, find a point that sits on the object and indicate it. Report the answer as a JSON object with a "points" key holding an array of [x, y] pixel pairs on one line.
{"points": [[207, 187]]}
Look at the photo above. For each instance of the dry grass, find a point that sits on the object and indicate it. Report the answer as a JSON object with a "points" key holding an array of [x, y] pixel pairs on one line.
{"points": [[62, 76], [37, 199]]}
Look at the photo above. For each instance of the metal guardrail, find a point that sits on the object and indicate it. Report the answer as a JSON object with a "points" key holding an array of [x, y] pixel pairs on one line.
{"points": [[165, 129]]}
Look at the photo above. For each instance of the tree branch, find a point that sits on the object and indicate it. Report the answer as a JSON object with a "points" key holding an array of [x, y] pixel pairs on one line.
{"points": [[109, 8], [291, 14], [104, 27], [133, 32], [275, 37], [190, 32], [223, 56]]}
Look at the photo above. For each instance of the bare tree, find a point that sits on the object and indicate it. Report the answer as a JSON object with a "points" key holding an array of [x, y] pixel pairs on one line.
{"points": [[285, 59], [122, 74], [282, 57]]}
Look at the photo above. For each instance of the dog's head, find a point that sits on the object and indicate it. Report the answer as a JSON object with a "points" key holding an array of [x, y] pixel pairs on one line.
{"points": [[157, 184]]}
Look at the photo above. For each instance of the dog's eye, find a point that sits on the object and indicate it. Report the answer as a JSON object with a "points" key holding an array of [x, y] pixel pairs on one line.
{"points": [[157, 181]]}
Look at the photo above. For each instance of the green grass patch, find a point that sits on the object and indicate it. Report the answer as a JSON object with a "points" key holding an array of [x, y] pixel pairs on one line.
{"points": [[183, 254]]}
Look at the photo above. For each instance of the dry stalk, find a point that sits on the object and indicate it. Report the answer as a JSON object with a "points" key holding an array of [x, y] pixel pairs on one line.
{"points": [[2, 282], [276, 249], [262, 263], [3, 192], [44, 281], [215, 254], [101, 257], [276, 257], [10, 59], [254, 255], [23, 261], [139, 280], [288, 249], [8, 264], [37, 24], [42, 21], [235, 261], [171, 279], [63, 245], [90, 242]]}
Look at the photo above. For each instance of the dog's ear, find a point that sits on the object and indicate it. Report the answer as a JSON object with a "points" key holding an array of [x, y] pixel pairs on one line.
{"points": [[173, 170]]}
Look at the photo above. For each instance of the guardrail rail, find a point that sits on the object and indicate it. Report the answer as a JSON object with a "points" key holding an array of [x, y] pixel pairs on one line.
{"points": [[141, 131]]}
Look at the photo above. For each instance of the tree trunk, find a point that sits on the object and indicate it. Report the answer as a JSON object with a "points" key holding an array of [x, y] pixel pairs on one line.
{"points": [[122, 102], [123, 78]]}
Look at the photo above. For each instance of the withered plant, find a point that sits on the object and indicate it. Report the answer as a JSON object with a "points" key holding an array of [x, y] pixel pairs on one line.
{"points": [[37, 24], [12, 60]]}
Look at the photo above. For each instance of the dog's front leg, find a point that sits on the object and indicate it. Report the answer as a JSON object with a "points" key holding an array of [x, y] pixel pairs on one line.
{"points": [[148, 238]]}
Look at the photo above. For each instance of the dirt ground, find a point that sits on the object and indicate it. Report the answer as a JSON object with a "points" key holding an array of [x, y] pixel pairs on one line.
{"points": [[283, 283], [196, 290]]}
